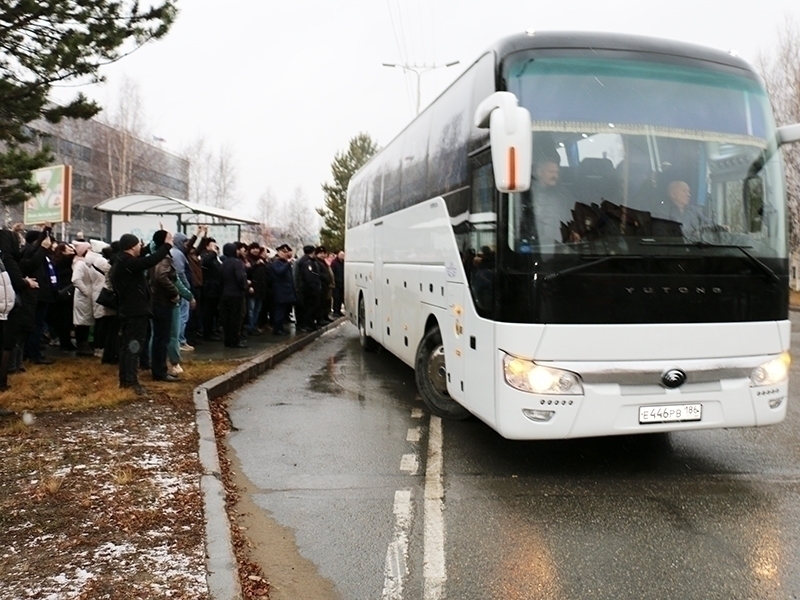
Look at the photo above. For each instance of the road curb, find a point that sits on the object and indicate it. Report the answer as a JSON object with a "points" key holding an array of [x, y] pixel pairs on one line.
{"points": [[221, 568]]}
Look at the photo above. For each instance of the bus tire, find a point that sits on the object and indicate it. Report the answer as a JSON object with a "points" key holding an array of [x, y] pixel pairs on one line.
{"points": [[431, 374], [367, 343]]}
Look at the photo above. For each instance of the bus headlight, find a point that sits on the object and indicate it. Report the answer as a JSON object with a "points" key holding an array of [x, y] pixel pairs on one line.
{"points": [[771, 372], [527, 376]]}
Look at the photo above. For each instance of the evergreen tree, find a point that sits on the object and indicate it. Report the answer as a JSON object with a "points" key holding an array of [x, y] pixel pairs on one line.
{"points": [[344, 165], [49, 42]]}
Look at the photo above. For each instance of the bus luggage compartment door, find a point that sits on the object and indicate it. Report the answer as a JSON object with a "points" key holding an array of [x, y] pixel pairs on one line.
{"points": [[453, 339]]}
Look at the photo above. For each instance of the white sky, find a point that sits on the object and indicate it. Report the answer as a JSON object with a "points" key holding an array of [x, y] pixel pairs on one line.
{"points": [[287, 84]]}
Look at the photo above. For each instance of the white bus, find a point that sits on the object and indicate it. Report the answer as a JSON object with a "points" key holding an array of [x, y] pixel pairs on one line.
{"points": [[584, 235]]}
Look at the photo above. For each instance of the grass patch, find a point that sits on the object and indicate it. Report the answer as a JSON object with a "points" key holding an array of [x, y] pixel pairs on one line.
{"points": [[73, 384]]}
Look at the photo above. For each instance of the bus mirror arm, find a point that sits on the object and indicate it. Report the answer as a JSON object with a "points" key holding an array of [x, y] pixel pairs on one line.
{"points": [[788, 134], [511, 140]]}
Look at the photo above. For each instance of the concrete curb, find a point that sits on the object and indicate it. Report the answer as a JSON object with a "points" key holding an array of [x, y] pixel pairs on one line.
{"points": [[221, 567]]}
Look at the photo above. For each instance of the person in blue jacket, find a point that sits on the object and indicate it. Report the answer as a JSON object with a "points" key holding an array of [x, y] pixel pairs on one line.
{"points": [[283, 294]]}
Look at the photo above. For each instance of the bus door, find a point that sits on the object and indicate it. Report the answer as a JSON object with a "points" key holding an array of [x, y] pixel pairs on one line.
{"points": [[479, 332]]}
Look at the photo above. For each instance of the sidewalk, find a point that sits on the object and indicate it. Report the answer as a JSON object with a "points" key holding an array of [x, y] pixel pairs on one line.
{"points": [[263, 352]]}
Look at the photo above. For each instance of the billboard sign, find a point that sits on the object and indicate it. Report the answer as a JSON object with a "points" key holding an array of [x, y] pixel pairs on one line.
{"points": [[53, 203]]}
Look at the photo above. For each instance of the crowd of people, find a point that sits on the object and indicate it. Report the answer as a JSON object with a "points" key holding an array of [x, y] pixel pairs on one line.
{"points": [[142, 304]]}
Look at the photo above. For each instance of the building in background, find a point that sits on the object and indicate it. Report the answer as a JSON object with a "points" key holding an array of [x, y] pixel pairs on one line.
{"points": [[106, 163]]}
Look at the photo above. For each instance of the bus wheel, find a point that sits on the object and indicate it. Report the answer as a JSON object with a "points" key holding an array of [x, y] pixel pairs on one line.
{"points": [[367, 343], [431, 374]]}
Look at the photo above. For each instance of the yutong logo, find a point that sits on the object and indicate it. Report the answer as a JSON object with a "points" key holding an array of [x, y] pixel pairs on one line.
{"points": [[653, 291], [673, 378]]}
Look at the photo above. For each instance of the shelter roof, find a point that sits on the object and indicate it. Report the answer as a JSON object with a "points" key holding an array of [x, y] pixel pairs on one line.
{"points": [[155, 204]]}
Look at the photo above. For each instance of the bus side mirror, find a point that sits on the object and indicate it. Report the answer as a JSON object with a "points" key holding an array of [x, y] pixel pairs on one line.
{"points": [[788, 134], [511, 139]]}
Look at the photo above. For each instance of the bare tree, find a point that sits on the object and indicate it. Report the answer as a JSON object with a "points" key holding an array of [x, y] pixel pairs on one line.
{"points": [[267, 214], [223, 179], [123, 141], [212, 175], [300, 222], [781, 73], [200, 166]]}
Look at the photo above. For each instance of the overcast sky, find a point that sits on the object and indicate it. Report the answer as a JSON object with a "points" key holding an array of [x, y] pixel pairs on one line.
{"points": [[287, 84]]}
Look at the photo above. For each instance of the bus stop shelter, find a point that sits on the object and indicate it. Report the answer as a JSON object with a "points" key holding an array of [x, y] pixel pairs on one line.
{"points": [[144, 214]]}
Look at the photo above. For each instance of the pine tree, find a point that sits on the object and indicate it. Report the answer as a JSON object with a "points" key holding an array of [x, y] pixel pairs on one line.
{"points": [[48, 42], [344, 165]]}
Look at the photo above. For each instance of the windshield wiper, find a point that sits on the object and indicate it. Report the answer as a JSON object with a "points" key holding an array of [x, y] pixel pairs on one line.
{"points": [[551, 276], [771, 275]]}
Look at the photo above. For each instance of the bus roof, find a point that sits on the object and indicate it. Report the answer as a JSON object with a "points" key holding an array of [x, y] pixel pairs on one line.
{"points": [[614, 41]]}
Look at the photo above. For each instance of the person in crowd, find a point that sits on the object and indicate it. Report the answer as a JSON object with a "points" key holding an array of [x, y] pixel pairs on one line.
{"points": [[59, 318], [111, 345], [283, 290], [256, 269], [103, 316], [337, 267], [309, 290], [194, 329], [135, 309], [211, 264], [13, 328], [327, 283], [38, 263], [164, 292], [86, 279], [7, 301], [29, 262], [234, 291], [184, 274], [265, 319]]}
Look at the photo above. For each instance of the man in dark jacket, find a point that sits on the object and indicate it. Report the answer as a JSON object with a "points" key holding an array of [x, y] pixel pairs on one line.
{"points": [[164, 292], [212, 288], [234, 291], [309, 289], [37, 254], [337, 266], [134, 310], [257, 276], [283, 295]]}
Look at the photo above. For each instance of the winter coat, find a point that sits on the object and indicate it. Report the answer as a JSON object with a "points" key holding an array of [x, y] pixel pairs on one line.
{"points": [[337, 266], [257, 274], [88, 282], [163, 288], [180, 261], [7, 294], [129, 281], [212, 275], [234, 276], [282, 282]]}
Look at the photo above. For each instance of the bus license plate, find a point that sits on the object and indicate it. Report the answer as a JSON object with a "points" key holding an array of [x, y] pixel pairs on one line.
{"points": [[670, 413]]}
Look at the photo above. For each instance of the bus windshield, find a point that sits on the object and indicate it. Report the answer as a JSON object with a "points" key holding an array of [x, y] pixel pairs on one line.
{"points": [[636, 157]]}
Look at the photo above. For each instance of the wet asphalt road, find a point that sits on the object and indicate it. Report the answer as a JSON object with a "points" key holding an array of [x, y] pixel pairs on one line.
{"points": [[339, 446]]}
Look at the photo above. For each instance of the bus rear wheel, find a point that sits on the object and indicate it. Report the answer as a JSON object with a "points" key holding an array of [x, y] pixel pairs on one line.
{"points": [[367, 343], [431, 374]]}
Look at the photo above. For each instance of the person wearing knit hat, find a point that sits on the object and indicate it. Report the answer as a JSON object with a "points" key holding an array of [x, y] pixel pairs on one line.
{"points": [[81, 248], [159, 237], [128, 241]]}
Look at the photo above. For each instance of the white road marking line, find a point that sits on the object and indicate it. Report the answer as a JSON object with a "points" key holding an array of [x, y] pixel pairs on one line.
{"points": [[433, 559], [396, 567], [409, 463], [414, 434], [416, 413]]}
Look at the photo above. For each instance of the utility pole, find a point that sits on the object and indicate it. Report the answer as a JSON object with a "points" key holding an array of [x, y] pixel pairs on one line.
{"points": [[419, 70]]}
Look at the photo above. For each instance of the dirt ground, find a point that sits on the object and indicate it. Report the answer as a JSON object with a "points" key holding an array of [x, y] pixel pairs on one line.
{"points": [[99, 494]]}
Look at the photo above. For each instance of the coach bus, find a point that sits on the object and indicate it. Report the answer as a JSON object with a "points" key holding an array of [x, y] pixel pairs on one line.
{"points": [[584, 235]]}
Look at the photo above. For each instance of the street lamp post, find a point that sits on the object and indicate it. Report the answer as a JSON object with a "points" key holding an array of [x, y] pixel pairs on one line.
{"points": [[418, 70]]}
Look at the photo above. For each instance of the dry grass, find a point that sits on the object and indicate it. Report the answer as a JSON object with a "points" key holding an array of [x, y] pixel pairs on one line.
{"points": [[76, 385]]}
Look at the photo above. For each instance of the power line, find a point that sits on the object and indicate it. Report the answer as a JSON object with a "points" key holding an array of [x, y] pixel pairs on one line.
{"points": [[418, 70]]}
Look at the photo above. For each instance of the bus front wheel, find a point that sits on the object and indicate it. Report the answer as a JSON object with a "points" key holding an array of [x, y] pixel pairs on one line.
{"points": [[431, 374], [367, 343]]}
